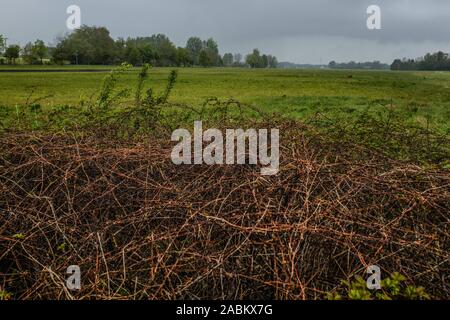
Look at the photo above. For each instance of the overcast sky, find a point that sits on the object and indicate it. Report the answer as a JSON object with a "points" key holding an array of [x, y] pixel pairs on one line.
{"points": [[301, 31]]}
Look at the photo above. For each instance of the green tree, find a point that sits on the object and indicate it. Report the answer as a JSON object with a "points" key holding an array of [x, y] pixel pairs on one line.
{"points": [[12, 53], [28, 55], [58, 55], [165, 50], [396, 65], [194, 46], [273, 61], [228, 59], [183, 57], [212, 49], [133, 55], [88, 45], [120, 51], [254, 60], [2, 44], [205, 59], [40, 50], [264, 61], [148, 54], [157, 50]]}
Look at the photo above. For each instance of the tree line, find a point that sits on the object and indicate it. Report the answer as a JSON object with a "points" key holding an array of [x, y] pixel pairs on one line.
{"points": [[95, 46], [438, 61], [375, 65]]}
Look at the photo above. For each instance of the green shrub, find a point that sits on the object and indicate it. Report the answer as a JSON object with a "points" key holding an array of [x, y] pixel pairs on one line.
{"points": [[392, 288], [4, 295]]}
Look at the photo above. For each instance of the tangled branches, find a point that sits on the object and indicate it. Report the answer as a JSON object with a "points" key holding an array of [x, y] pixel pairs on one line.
{"points": [[141, 227]]}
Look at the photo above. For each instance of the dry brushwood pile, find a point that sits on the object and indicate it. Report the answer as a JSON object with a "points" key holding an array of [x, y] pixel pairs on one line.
{"points": [[141, 227]]}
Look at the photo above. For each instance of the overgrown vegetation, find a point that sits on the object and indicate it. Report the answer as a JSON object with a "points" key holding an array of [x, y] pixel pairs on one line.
{"points": [[94, 185]]}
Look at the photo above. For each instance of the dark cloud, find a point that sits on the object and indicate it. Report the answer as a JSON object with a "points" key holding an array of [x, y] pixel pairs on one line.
{"points": [[297, 30]]}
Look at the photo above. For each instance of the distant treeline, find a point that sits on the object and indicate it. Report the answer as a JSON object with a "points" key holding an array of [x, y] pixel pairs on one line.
{"points": [[375, 65], [94, 46], [438, 61], [290, 65]]}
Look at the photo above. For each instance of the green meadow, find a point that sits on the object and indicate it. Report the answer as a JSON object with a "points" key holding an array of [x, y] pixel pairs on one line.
{"points": [[422, 97]]}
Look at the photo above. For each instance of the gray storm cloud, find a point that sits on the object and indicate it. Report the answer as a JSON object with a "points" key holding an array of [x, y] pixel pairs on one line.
{"points": [[303, 31]]}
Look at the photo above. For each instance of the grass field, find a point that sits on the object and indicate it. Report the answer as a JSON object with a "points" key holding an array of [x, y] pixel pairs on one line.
{"points": [[422, 96]]}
